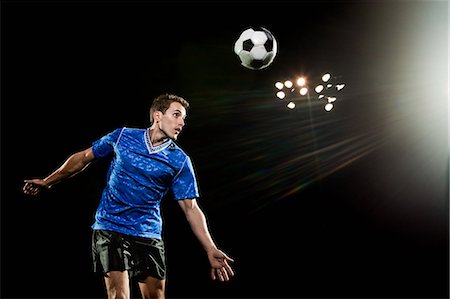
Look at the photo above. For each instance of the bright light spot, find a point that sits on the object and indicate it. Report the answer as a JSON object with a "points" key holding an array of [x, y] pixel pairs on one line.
{"points": [[331, 99], [281, 95], [340, 86], [301, 81], [279, 85], [328, 107], [288, 84], [318, 88], [326, 77], [291, 105], [321, 96], [303, 91], [329, 85]]}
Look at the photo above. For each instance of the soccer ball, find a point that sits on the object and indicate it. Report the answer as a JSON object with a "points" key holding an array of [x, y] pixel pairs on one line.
{"points": [[256, 48]]}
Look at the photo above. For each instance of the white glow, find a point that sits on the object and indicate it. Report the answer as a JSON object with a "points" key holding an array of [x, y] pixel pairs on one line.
{"points": [[331, 99], [329, 85], [326, 77], [301, 81], [340, 86], [303, 91], [291, 105], [279, 85], [288, 84], [318, 88], [321, 96], [328, 107], [281, 95]]}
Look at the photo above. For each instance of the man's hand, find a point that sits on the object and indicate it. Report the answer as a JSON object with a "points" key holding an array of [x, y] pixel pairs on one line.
{"points": [[34, 186], [219, 265]]}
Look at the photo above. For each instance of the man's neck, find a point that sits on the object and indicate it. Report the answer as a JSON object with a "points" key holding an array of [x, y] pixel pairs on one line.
{"points": [[156, 136]]}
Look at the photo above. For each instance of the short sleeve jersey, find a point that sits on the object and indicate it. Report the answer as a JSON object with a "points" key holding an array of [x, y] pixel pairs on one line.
{"points": [[138, 178]]}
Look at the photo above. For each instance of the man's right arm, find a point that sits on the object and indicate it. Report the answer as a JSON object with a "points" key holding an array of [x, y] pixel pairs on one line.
{"points": [[73, 165]]}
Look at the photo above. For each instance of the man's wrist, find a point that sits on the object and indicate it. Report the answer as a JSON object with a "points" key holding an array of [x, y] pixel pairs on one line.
{"points": [[211, 248], [47, 184]]}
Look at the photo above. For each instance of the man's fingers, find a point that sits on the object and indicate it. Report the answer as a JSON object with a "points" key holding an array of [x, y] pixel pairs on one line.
{"points": [[225, 274], [229, 258], [228, 268], [31, 188], [219, 273]]}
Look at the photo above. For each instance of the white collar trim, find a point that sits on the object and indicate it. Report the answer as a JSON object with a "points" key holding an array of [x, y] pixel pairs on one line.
{"points": [[154, 149]]}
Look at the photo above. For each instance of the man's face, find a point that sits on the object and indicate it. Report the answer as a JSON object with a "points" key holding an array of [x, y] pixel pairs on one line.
{"points": [[172, 122]]}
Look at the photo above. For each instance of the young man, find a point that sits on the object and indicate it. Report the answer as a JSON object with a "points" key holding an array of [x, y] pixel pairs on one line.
{"points": [[146, 164]]}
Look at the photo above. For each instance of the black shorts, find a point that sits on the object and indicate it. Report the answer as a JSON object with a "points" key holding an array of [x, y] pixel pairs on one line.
{"points": [[141, 257]]}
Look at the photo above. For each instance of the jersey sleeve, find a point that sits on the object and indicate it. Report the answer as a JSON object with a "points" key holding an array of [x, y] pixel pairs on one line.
{"points": [[105, 145], [185, 183]]}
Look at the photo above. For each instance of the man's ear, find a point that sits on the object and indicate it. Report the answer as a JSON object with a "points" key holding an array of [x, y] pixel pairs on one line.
{"points": [[157, 116]]}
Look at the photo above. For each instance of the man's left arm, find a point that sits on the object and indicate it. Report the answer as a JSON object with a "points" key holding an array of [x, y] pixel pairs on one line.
{"points": [[217, 259]]}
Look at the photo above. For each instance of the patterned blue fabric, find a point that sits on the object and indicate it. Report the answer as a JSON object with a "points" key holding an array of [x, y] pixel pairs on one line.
{"points": [[137, 180]]}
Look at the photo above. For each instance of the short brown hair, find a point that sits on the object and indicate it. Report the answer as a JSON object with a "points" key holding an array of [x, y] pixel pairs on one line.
{"points": [[163, 101]]}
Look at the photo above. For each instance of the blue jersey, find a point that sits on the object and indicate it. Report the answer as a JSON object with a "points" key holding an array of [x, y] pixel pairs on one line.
{"points": [[138, 178]]}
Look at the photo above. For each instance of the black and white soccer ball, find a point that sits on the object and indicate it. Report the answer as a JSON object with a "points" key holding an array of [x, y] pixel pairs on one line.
{"points": [[256, 48]]}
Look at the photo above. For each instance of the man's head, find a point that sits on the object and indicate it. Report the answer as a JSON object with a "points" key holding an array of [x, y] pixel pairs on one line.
{"points": [[167, 114]]}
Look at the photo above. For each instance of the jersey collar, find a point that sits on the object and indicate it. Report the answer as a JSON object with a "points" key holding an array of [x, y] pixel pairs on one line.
{"points": [[153, 149]]}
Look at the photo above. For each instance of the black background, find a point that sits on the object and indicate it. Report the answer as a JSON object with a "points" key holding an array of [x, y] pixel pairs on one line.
{"points": [[347, 203]]}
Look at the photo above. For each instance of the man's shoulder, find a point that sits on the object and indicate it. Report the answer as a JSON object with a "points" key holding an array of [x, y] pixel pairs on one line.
{"points": [[176, 149], [130, 134], [132, 130]]}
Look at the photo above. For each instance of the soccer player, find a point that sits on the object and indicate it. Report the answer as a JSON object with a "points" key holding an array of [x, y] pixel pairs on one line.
{"points": [[127, 232]]}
